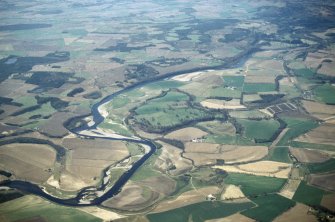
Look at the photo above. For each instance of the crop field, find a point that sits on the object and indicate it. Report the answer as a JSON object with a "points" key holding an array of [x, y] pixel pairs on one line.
{"points": [[269, 207], [309, 195], [259, 129], [279, 154], [322, 167], [260, 168], [238, 98], [132, 197], [255, 185], [247, 114], [170, 161], [313, 146], [297, 126], [186, 198], [297, 213], [324, 134], [290, 187], [232, 192], [33, 165], [32, 208], [325, 93], [168, 111], [186, 134], [89, 157], [209, 210], [229, 140], [209, 153], [258, 87], [328, 201], [309, 156], [218, 127], [325, 181], [319, 110], [221, 104]]}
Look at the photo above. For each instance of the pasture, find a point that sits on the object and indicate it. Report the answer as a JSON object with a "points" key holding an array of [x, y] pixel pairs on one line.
{"points": [[255, 185], [200, 212], [269, 207]]}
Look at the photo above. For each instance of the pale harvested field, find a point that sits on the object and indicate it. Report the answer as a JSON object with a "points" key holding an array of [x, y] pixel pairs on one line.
{"points": [[132, 197], [210, 79], [326, 181], [218, 127], [297, 213], [87, 158], [268, 65], [261, 168], [251, 97], [289, 189], [191, 147], [232, 192], [221, 104], [187, 198], [323, 134], [314, 59], [186, 134], [172, 156], [287, 81], [28, 161], [259, 79], [328, 201], [319, 110], [159, 184], [71, 182], [188, 76], [327, 68], [101, 213], [233, 218], [206, 153], [309, 156], [21, 88]]}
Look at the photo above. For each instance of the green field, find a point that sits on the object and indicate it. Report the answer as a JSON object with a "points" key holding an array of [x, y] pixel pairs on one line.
{"points": [[164, 85], [325, 93], [297, 127], [324, 167], [313, 146], [258, 87], [33, 208], [146, 170], [168, 111], [224, 92], [279, 154], [247, 114], [308, 194], [307, 73], [233, 81], [227, 139], [200, 212], [259, 129], [255, 185], [269, 207], [119, 101]]}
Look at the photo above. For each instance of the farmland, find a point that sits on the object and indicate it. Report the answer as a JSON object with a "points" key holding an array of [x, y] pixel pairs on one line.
{"points": [[167, 110], [34, 208], [208, 211], [308, 194], [255, 185], [269, 207]]}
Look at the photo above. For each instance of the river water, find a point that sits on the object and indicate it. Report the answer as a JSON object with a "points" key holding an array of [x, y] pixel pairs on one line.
{"points": [[98, 118]]}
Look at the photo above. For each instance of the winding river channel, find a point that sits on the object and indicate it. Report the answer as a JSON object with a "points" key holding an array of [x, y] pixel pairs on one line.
{"points": [[98, 118]]}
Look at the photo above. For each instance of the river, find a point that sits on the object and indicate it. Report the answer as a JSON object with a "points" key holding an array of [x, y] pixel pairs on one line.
{"points": [[98, 118]]}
